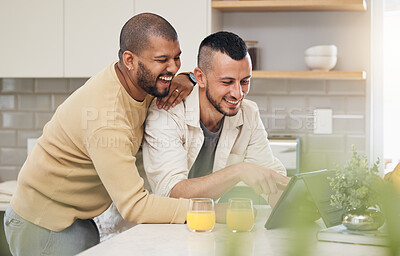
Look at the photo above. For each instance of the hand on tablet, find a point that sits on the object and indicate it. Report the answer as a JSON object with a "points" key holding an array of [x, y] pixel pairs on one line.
{"points": [[262, 180], [273, 198]]}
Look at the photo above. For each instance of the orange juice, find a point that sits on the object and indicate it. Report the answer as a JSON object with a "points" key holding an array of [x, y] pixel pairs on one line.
{"points": [[200, 220], [240, 219]]}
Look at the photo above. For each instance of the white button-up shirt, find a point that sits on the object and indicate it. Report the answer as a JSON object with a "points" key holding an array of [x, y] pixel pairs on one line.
{"points": [[173, 139]]}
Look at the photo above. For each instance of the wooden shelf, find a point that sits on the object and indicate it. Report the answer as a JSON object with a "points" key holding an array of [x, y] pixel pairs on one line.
{"points": [[289, 5], [325, 75]]}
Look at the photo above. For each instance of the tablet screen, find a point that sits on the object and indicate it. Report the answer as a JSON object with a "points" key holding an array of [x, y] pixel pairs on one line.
{"points": [[306, 198]]}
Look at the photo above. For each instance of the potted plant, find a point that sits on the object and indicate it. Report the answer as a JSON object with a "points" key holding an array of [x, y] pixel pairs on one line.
{"points": [[355, 190]]}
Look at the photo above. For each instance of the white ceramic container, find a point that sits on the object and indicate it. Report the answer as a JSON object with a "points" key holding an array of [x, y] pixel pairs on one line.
{"points": [[321, 50], [320, 63]]}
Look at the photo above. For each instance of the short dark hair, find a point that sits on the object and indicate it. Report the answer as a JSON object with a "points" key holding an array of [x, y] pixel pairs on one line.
{"points": [[224, 42], [137, 30]]}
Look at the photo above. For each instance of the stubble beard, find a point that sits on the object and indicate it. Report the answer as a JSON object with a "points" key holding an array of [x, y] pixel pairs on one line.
{"points": [[148, 82], [217, 106]]}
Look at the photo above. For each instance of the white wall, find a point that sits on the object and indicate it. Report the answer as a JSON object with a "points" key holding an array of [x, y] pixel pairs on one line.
{"points": [[286, 105], [283, 36]]}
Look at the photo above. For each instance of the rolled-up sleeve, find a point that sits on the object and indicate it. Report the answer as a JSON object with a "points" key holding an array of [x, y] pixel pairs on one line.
{"points": [[164, 156]]}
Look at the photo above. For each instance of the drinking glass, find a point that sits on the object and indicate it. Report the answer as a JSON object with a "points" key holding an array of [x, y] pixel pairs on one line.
{"points": [[201, 215], [240, 214]]}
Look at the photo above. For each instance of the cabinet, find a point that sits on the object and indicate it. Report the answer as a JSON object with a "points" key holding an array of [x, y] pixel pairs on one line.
{"points": [[60, 38], [334, 75], [190, 18], [73, 38], [92, 31], [31, 38], [290, 5], [78, 38], [311, 30]]}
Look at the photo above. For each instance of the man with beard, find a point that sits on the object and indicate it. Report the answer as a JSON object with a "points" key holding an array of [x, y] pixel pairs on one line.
{"points": [[214, 138], [85, 158]]}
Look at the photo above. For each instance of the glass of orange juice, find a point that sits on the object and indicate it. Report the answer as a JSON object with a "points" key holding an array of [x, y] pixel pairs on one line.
{"points": [[201, 215], [240, 214]]}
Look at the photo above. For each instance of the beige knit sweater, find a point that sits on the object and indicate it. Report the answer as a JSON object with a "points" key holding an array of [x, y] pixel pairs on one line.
{"points": [[85, 159]]}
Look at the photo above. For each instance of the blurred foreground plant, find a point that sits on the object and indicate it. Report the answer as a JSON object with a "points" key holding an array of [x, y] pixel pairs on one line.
{"points": [[356, 185]]}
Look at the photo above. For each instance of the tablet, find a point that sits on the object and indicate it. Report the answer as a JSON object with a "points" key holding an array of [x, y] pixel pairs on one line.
{"points": [[306, 197]]}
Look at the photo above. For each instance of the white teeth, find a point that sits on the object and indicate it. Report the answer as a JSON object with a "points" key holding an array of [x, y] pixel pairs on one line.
{"points": [[232, 102], [166, 78]]}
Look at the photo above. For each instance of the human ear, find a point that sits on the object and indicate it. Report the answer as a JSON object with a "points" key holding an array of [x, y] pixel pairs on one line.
{"points": [[200, 77], [129, 60]]}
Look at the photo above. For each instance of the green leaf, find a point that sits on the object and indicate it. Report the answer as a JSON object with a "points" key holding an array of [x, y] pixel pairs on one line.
{"points": [[355, 185]]}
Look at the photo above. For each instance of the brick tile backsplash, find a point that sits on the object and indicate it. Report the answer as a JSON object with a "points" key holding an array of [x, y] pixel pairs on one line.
{"points": [[51, 85], [41, 119], [57, 99], [343, 87], [288, 104], [34, 102], [17, 120], [286, 107], [7, 138], [307, 87], [12, 156], [261, 100], [349, 126], [299, 124], [8, 173], [20, 85], [274, 124], [22, 136], [7, 102], [359, 142], [75, 83], [268, 87], [355, 105], [337, 159], [326, 143], [337, 104]]}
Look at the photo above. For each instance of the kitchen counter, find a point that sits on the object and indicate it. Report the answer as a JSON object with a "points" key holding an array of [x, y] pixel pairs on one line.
{"points": [[3, 206], [176, 239], [7, 189]]}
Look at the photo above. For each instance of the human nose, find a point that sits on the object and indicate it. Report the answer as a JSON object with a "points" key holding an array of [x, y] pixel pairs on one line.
{"points": [[173, 66], [237, 90]]}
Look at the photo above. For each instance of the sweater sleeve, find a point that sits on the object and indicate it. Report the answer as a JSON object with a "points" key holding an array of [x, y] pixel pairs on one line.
{"points": [[112, 152]]}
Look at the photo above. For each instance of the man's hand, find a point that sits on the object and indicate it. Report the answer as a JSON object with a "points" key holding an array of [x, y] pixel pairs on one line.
{"points": [[180, 88], [273, 198], [261, 179]]}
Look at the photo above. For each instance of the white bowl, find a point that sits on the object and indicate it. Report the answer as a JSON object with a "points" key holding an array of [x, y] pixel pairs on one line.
{"points": [[320, 63], [321, 50]]}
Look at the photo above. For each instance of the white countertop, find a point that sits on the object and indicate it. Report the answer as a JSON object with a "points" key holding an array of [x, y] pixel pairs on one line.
{"points": [[3, 206], [7, 189], [176, 239]]}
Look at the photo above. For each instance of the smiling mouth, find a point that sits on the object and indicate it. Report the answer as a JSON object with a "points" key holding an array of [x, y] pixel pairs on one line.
{"points": [[166, 78], [232, 102]]}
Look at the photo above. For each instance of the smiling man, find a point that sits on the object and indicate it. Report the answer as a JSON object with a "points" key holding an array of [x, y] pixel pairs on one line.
{"points": [[214, 138], [85, 158]]}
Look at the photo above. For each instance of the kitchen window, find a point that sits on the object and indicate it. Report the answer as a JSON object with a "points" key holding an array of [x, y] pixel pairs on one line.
{"points": [[391, 83]]}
